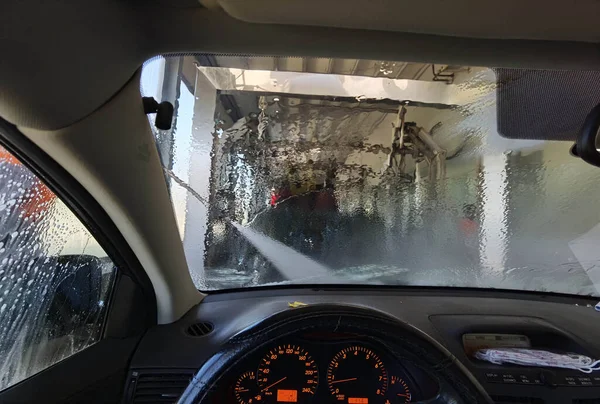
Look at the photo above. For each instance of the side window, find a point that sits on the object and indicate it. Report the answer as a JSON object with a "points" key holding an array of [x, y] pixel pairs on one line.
{"points": [[54, 277]]}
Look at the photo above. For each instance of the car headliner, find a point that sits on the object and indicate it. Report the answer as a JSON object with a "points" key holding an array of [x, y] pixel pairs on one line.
{"points": [[70, 79]]}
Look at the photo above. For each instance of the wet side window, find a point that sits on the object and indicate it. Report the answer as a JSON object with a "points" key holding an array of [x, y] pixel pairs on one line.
{"points": [[54, 277]]}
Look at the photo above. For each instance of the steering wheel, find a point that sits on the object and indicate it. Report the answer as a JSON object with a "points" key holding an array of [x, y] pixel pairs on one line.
{"points": [[405, 342]]}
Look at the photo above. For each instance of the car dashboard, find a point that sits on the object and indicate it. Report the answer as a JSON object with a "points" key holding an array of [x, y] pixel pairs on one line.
{"points": [[315, 364]]}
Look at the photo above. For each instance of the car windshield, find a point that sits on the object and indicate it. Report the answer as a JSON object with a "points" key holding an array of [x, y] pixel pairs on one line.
{"points": [[298, 170]]}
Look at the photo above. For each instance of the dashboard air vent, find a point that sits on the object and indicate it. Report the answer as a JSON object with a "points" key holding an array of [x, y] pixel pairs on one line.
{"points": [[155, 387], [200, 329], [516, 400]]}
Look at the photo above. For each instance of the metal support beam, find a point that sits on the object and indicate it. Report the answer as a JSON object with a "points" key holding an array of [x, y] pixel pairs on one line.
{"points": [[401, 70], [415, 91], [421, 71], [170, 92]]}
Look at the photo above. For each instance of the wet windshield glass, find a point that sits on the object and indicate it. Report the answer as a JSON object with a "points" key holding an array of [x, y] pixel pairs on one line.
{"points": [[310, 170]]}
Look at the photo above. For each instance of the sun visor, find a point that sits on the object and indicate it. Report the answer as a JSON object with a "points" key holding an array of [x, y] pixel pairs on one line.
{"points": [[544, 104]]}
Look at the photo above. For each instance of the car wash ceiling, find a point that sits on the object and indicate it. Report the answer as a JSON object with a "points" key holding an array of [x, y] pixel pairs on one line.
{"points": [[304, 128], [348, 67]]}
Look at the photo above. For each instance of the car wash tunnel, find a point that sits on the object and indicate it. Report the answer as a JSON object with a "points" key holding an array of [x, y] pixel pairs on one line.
{"points": [[383, 172]]}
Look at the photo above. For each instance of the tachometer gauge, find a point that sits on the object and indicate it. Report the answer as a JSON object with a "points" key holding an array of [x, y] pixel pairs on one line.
{"points": [[246, 390], [356, 375], [287, 374], [398, 391]]}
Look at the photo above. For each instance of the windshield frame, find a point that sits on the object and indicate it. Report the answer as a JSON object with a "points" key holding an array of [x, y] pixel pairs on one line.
{"points": [[225, 91]]}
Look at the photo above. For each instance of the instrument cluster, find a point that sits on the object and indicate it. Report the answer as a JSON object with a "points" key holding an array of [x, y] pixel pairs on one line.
{"points": [[338, 370]]}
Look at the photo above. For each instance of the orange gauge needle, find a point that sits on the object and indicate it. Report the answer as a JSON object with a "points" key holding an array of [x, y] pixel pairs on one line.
{"points": [[243, 390], [277, 382], [343, 380], [403, 395]]}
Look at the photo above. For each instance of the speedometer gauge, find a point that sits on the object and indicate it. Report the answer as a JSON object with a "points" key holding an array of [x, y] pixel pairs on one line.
{"points": [[287, 374], [357, 375]]}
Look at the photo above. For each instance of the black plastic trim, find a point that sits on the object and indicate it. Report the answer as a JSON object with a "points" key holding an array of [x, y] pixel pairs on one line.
{"points": [[287, 289], [93, 375], [85, 208]]}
